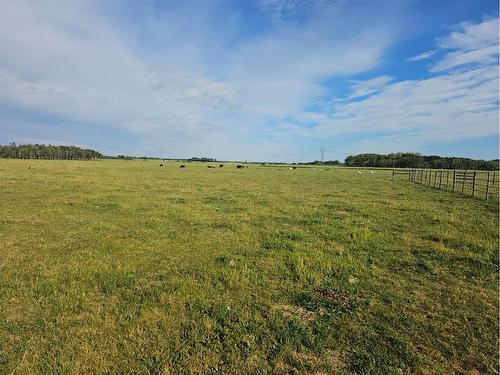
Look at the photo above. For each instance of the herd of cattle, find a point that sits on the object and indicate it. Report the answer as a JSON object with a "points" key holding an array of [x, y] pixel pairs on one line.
{"points": [[239, 166]]}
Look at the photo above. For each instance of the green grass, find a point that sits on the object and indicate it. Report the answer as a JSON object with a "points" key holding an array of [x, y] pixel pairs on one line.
{"points": [[126, 267]]}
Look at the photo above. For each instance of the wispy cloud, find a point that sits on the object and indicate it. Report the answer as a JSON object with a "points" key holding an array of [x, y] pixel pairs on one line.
{"points": [[70, 60], [457, 105], [454, 106], [422, 56], [469, 36], [289, 10], [83, 70], [199, 77], [470, 44], [370, 86]]}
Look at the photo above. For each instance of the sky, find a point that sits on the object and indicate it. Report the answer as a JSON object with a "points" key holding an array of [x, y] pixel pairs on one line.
{"points": [[261, 80]]}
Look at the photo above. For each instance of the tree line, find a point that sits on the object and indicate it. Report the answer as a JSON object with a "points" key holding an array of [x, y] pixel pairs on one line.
{"points": [[36, 151], [210, 160], [326, 162], [415, 160]]}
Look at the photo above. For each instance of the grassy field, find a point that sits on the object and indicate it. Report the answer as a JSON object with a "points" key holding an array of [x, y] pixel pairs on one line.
{"points": [[126, 267]]}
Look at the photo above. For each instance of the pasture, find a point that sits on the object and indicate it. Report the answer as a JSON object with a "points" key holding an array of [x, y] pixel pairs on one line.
{"points": [[128, 267]]}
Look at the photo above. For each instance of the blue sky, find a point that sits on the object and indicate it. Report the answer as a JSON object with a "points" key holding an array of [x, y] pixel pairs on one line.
{"points": [[252, 80]]}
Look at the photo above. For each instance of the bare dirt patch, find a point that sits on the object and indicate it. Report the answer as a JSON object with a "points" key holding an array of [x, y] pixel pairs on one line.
{"points": [[332, 295]]}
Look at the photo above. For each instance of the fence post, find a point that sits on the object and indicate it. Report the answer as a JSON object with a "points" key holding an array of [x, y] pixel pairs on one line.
{"points": [[474, 185], [454, 175], [440, 178], [393, 174], [488, 185], [463, 181]]}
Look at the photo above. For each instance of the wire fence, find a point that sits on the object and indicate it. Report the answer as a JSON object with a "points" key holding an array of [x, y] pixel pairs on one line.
{"points": [[483, 184]]}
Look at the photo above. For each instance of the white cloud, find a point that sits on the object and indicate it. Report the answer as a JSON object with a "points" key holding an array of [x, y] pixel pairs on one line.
{"points": [[483, 56], [446, 108], [471, 44], [184, 79], [453, 106], [64, 59], [73, 61], [369, 87], [422, 56], [279, 72], [471, 36], [446, 102]]}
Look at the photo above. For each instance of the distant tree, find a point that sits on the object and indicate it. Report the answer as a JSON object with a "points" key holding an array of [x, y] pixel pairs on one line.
{"points": [[328, 162], [36, 151], [415, 160], [202, 159]]}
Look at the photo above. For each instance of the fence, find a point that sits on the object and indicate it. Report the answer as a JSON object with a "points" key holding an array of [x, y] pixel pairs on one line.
{"points": [[482, 184]]}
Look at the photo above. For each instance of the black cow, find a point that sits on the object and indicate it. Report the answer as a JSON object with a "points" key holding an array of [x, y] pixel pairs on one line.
{"points": [[210, 166], [161, 165], [240, 166], [182, 166], [221, 165]]}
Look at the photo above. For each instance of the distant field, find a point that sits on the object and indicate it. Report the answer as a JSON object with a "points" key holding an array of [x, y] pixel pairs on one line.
{"points": [[126, 267]]}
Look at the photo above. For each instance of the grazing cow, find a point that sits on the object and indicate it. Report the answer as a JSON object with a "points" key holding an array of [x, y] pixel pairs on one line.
{"points": [[240, 166], [221, 165], [161, 165], [182, 166], [294, 168], [210, 166]]}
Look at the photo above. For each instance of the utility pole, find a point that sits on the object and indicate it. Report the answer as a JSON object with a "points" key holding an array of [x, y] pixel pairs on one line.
{"points": [[322, 149]]}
